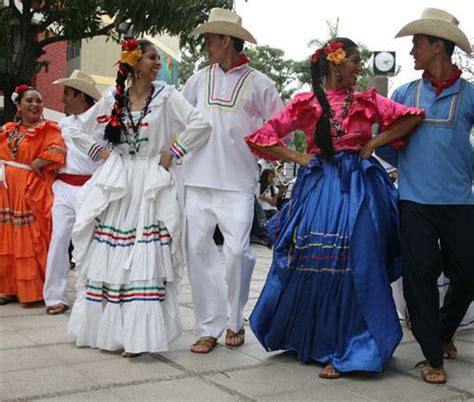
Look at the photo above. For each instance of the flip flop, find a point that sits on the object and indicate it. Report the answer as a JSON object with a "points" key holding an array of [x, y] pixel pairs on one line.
{"points": [[240, 335], [207, 342], [56, 309], [330, 373]]}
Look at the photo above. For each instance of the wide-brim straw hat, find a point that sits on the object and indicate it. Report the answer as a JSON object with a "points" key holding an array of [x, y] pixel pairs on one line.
{"points": [[82, 82], [438, 23], [224, 22]]}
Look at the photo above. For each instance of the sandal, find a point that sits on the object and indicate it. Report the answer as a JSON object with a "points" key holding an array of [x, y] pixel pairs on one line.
{"points": [[6, 299], [130, 355], [204, 344], [330, 373], [450, 351], [432, 375], [235, 339], [56, 309]]}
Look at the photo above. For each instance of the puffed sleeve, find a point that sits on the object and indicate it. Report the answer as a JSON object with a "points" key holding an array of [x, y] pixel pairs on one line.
{"points": [[54, 149], [389, 111], [301, 112], [88, 133], [194, 130]]}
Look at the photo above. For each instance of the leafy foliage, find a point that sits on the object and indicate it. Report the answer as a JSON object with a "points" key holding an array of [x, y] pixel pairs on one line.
{"points": [[26, 27]]}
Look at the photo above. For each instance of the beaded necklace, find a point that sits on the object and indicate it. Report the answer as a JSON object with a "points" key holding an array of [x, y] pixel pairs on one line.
{"points": [[15, 138], [336, 122], [135, 127]]}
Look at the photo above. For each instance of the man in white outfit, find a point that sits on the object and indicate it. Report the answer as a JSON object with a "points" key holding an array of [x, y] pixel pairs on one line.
{"points": [[221, 178], [80, 93]]}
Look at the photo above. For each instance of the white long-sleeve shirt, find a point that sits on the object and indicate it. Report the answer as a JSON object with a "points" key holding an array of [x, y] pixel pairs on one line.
{"points": [[235, 103], [77, 161]]}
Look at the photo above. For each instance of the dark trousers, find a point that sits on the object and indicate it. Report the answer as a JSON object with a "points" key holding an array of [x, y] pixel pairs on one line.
{"points": [[423, 228]]}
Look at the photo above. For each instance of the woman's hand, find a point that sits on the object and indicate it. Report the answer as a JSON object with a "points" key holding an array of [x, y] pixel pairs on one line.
{"points": [[304, 159], [165, 159], [38, 164], [105, 154], [367, 150]]}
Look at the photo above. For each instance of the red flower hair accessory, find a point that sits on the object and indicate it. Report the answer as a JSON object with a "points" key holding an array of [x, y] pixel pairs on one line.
{"points": [[315, 57], [334, 50], [19, 90], [129, 45], [131, 52]]}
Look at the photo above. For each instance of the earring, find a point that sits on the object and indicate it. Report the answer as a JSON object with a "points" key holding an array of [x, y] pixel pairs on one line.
{"points": [[338, 76], [138, 74]]}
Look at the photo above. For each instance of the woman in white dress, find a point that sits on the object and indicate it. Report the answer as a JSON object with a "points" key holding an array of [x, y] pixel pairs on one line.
{"points": [[128, 236]]}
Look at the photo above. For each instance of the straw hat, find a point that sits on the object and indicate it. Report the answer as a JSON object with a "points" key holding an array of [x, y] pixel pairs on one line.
{"points": [[224, 22], [82, 82], [438, 23]]}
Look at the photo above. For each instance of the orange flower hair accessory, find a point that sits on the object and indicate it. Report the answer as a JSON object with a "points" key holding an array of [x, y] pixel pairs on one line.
{"points": [[131, 52], [335, 52]]}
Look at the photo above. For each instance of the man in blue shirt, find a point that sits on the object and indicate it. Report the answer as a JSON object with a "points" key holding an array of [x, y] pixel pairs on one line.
{"points": [[435, 178]]}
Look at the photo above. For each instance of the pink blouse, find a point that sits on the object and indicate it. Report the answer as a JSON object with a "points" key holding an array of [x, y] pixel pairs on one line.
{"points": [[368, 109]]}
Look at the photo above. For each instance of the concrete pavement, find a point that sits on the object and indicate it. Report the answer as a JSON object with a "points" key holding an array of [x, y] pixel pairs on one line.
{"points": [[39, 361]]}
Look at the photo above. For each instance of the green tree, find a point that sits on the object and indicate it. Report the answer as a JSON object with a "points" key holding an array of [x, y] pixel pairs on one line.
{"points": [[272, 63], [27, 26]]}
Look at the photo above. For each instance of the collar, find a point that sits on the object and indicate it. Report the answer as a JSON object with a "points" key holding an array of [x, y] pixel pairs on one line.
{"points": [[439, 85], [242, 59]]}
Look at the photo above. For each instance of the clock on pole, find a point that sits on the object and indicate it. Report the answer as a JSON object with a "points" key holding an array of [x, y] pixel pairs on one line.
{"points": [[384, 62]]}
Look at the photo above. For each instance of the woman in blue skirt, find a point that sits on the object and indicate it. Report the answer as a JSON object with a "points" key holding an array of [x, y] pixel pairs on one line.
{"points": [[327, 296]]}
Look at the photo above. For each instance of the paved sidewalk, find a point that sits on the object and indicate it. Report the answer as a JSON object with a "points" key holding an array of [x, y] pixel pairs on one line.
{"points": [[39, 361]]}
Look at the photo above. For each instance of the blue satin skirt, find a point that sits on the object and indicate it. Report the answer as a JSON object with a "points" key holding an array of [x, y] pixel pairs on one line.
{"points": [[327, 296]]}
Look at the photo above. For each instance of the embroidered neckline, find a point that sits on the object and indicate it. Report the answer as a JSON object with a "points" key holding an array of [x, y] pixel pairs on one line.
{"points": [[213, 100]]}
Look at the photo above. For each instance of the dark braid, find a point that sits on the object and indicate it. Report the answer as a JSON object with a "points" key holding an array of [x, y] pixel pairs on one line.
{"points": [[319, 70], [113, 131]]}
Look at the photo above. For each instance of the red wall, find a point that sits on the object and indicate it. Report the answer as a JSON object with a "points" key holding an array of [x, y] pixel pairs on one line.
{"points": [[56, 55]]}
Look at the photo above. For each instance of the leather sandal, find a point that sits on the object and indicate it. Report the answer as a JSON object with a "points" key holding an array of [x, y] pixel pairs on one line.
{"points": [[204, 344], [450, 351], [427, 373], [231, 335], [130, 355], [329, 373], [56, 309], [6, 299]]}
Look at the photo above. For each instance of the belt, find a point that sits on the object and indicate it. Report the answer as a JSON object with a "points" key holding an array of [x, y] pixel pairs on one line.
{"points": [[3, 176], [73, 179]]}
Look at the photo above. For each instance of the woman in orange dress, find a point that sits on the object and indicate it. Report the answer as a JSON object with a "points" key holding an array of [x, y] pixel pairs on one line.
{"points": [[31, 149]]}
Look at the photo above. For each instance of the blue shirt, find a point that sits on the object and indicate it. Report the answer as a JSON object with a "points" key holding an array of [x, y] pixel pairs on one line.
{"points": [[436, 167]]}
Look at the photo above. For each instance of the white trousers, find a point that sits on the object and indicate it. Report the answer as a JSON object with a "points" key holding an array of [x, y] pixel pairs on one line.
{"points": [[219, 294], [57, 267]]}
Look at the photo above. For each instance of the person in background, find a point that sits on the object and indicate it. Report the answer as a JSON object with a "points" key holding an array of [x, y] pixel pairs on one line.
{"points": [[327, 296], [268, 193], [128, 236], [80, 93], [235, 99], [435, 179], [31, 150]]}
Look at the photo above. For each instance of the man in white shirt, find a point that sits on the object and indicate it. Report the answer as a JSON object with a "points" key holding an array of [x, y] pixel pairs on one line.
{"points": [[80, 93], [221, 178]]}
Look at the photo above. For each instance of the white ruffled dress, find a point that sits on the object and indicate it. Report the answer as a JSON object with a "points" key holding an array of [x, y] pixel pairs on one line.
{"points": [[128, 236]]}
